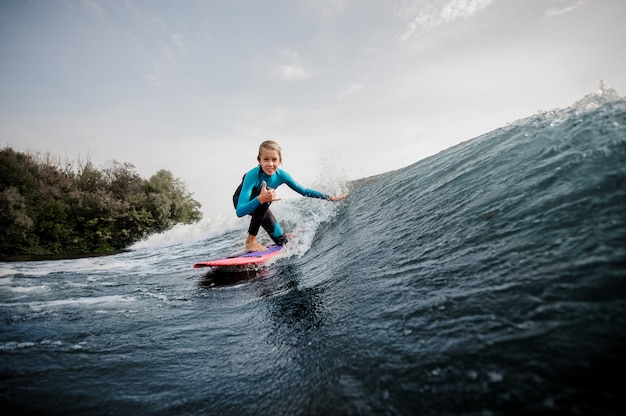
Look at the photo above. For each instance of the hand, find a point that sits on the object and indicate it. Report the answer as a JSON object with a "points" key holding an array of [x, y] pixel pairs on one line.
{"points": [[336, 198], [267, 195]]}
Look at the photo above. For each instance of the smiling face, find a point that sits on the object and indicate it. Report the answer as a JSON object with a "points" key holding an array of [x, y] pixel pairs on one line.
{"points": [[269, 160]]}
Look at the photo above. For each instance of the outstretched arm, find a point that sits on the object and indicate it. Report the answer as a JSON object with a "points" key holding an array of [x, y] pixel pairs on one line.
{"points": [[311, 193]]}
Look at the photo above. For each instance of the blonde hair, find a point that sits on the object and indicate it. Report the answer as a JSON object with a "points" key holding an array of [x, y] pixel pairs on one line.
{"points": [[270, 145]]}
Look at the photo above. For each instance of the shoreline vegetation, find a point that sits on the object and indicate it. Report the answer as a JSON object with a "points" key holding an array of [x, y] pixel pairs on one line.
{"points": [[53, 209]]}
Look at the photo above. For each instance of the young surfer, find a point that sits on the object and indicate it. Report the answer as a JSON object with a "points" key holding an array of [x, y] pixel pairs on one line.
{"points": [[258, 190]]}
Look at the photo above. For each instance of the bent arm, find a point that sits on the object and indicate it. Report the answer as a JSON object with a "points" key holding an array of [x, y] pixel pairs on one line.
{"points": [[247, 203]]}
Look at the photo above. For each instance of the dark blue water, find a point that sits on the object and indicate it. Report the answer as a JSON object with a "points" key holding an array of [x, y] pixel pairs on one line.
{"points": [[489, 279]]}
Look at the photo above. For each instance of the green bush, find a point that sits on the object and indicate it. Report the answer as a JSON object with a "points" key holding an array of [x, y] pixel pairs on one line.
{"points": [[50, 208]]}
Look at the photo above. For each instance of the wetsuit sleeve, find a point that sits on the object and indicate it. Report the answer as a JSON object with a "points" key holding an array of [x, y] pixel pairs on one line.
{"points": [[311, 193], [247, 203]]}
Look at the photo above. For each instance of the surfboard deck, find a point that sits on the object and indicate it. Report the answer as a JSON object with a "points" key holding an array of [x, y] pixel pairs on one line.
{"points": [[242, 259]]}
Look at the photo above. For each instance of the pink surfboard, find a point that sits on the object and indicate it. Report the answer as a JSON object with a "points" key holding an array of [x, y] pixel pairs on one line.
{"points": [[243, 259]]}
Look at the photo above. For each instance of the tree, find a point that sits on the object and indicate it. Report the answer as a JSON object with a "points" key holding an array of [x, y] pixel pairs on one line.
{"points": [[15, 222], [50, 208], [169, 201]]}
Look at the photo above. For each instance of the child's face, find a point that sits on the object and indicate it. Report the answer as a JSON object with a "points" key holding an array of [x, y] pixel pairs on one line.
{"points": [[269, 161]]}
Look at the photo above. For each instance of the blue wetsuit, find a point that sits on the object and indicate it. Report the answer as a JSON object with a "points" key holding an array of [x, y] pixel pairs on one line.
{"points": [[246, 200]]}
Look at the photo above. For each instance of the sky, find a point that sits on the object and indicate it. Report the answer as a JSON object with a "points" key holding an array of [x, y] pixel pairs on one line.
{"points": [[349, 88]]}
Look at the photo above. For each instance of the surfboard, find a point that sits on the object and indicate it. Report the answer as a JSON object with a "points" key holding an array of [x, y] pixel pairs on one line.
{"points": [[242, 259]]}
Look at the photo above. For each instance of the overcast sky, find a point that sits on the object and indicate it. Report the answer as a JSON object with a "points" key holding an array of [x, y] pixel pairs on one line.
{"points": [[349, 88]]}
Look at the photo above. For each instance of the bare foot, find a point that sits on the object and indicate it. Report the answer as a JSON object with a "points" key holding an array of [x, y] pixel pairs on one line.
{"points": [[253, 246]]}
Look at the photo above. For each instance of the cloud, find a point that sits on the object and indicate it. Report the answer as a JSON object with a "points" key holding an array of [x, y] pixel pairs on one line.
{"points": [[179, 42], [293, 70], [330, 8], [353, 88], [94, 8], [156, 78], [170, 49], [260, 122], [458, 9], [440, 13], [555, 11]]}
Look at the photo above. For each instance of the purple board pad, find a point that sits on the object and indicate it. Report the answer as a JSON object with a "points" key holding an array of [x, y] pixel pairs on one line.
{"points": [[242, 259]]}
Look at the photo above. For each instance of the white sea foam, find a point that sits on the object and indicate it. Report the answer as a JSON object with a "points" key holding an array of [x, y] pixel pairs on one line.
{"points": [[28, 289], [153, 295], [11, 346], [4, 271], [190, 233], [45, 344], [101, 300]]}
